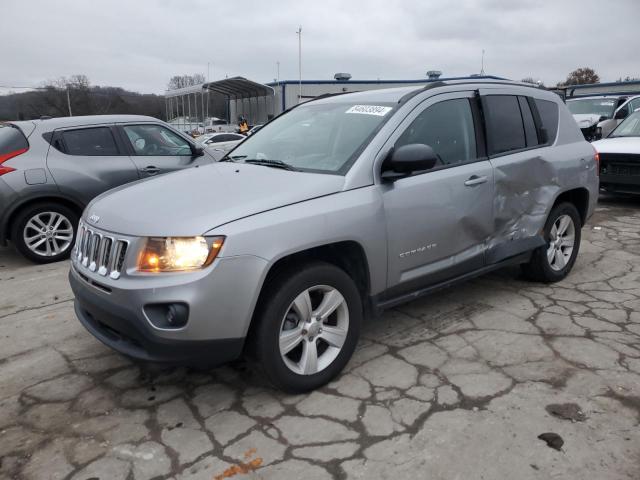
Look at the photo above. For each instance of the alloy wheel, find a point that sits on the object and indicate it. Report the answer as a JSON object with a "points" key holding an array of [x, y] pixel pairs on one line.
{"points": [[314, 330], [562, 237], [48, 234]]}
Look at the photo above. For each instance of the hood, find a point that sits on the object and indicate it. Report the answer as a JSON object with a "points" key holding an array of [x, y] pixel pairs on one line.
{"points": [[630, 145], [586, 120], [193, 201]]}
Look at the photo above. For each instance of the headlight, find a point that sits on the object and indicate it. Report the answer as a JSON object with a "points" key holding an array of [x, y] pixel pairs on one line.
{"points": [[174, 254]]}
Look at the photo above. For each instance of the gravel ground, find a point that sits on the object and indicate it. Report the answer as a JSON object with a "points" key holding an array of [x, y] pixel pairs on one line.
{"points": [[457, 385]]}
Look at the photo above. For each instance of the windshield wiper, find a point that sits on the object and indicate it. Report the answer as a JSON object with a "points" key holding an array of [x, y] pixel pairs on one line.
{"points": [[232, 158], [271, 163]]}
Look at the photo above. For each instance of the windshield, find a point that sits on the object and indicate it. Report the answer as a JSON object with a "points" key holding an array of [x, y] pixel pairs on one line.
{"points": [[593, 106], [323, 138], [629, 128]]}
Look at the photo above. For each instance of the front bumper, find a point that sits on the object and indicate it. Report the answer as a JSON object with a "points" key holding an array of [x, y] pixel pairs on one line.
{"points": [[220, 308]]}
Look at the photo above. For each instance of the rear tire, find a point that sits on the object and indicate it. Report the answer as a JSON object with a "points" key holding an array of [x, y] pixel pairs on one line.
{"points": [[45, 232], [553, 262], [307, 327]]}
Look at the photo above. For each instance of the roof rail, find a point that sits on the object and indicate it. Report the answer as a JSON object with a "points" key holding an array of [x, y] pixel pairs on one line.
{"points": [[413, 93]]}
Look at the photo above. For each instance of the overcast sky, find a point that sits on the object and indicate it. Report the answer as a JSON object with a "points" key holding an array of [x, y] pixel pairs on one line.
{"points": [[139, 44]]}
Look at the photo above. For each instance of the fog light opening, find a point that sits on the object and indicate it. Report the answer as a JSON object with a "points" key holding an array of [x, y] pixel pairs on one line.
{"points": [[167, 316]]}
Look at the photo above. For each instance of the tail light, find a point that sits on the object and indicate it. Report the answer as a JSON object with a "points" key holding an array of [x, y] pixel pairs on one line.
{"points": [[6, 156], [597, 159]]}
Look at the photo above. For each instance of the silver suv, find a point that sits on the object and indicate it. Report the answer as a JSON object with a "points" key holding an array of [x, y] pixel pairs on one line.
{"points": [[337, 209], [51, 169]]}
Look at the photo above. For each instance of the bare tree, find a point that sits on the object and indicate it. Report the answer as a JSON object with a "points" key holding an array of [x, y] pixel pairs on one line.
{"points": [[51, 99], [582, 76], [628, 78], [181, 81]]}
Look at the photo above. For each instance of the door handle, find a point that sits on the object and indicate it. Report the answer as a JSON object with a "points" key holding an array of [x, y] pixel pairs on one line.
{"points": [[475, 180], [151, 170]]}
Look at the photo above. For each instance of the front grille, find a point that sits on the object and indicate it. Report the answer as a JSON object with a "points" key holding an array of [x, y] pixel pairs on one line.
{"points": [[100, 252], [622, 164]]}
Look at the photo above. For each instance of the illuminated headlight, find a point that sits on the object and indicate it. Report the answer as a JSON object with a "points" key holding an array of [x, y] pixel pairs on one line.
{"points": [[175, 254]]}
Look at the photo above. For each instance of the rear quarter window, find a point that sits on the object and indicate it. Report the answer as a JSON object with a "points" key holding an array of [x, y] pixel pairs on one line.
{"points": [[97, 141], [548, 112], [11, 139]]}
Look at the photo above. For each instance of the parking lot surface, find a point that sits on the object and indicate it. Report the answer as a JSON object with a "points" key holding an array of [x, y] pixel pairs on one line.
{"points": [[456, 385]]}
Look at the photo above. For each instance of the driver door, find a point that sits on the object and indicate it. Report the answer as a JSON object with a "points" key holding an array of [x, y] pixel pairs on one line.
{"points": [[438, 220], [156, 149]]}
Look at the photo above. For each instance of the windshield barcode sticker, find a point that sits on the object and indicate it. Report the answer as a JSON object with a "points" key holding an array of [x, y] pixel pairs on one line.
{"points": [[369, 110]]}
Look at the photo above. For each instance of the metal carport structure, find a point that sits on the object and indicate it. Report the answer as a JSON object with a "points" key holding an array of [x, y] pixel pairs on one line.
{"points": [[245, 97], [189, 106]]}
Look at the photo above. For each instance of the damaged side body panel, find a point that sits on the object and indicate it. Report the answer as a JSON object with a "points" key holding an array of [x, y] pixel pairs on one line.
{"points": [[527, 184]]}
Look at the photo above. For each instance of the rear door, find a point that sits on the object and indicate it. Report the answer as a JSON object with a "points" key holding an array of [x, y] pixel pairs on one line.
{"points": [[156, 149], [522, 171], [86, 161]]}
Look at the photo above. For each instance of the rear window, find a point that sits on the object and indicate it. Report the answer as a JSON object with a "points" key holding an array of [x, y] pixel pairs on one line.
{"points": [[90, 142], [548, 112], [11, 139], [505, 130]]}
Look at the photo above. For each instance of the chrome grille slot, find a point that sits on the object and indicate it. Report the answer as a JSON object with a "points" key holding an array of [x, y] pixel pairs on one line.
{"points": [[118, 258], [94, 251], [105, 254], [79, 236], [86, 247], [100, 253]]}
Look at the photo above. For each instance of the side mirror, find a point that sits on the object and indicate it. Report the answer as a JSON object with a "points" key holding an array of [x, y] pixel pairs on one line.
{"points": [[197, 151], [621, 114], [410, 158]]}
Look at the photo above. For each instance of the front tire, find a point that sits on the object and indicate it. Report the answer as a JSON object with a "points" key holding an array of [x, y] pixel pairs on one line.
{"points": [[562, 232], [45, 232], [308, 326]]}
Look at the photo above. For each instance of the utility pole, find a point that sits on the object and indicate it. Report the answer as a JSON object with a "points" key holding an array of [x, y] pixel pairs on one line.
{"points": [[482, 63], [299, 32], [69, 102], [208, 91], [278, 73]]}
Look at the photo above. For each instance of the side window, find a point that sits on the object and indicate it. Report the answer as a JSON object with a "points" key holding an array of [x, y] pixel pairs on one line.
{"points": [[92, 142], [224, 138], [548, 112], [634, 105], [156, 140], [448, 128], [530, 132], [505, 129]]}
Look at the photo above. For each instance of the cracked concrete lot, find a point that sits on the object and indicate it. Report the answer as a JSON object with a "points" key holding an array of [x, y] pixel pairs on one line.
{"points": [[456, 385]]}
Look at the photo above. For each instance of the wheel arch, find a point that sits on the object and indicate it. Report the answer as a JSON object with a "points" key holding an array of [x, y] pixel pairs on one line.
{"points": [[579, 197], [7, 223], [348, 255]]}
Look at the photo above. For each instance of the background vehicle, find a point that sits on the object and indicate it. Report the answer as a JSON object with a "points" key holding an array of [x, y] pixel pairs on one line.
{"points": [[51, 169], [341, 207], [209, 139], [620, 157], [597, 116]]}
